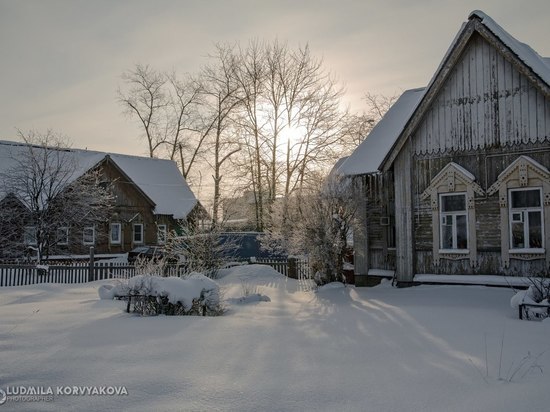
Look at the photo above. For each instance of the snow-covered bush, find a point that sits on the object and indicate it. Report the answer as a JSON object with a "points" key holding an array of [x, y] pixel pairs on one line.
{"points": [[540, 289], [155, 295], [316, 223], [204, 251]]}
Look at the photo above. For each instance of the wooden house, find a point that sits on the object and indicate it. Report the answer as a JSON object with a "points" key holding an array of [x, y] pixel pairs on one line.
{"points": [[455, 178], [151, 199]]}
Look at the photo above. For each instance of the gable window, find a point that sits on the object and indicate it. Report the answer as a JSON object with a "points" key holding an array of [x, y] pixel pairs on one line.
{"points": [[88, 235], [29, 235], [161, 234], [116, 233], [62, 236], [453, 221], [138, 233], [526, 230]]}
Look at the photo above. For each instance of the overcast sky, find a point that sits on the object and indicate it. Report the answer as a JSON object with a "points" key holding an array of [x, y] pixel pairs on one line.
{"points": [[61, 61]]}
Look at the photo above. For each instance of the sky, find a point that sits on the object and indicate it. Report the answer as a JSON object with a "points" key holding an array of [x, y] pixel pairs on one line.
{"points": [[61, 61]]}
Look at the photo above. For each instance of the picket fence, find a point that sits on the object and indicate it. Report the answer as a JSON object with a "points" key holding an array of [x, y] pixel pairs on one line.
{"points": [[82, 272]]}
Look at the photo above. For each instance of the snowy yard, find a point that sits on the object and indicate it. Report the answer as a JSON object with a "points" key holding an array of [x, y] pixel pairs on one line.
{"points": [[377, 349]]}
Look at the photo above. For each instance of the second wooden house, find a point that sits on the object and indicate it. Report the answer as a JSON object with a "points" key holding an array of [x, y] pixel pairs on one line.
{"points": [[455, 178]]}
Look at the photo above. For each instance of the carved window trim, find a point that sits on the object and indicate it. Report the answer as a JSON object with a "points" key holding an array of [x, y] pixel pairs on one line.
{"points": [[453, 178], [523, 173]]}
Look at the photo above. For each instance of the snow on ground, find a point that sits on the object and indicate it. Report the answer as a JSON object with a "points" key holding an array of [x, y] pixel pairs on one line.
{"points": [[375, 349]]}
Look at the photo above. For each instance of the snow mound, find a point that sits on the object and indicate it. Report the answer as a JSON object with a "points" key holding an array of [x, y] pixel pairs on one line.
{"points": [[106, 292], [249, 272], [256, 297], [330, 286], [523, 296]]}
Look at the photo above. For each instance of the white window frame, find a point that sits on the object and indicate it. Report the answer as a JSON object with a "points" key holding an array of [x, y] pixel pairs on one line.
{"points": [[62, 240], [29, 235], [453, 215], [88, 228], [119, 231], [525, 220], [142, 232], [162, 232]]}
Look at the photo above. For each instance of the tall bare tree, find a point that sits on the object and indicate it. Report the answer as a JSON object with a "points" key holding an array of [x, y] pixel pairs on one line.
{"points": [[223, 97], [168, 110], [144, 98], [250, 76]]}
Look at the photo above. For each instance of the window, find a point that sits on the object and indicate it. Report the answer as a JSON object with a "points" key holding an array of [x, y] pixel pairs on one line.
{"points": [[62, 236], [88, 235], [453, 221], [161, 234], [138, 233], [526, 218], [29, 235], [116, 233]]}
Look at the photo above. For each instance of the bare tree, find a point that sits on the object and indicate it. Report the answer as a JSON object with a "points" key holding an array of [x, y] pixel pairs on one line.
{"points": [[250, 77], [378, 105], [169, 112], [223, 97], [145, 98], [48, 191]]}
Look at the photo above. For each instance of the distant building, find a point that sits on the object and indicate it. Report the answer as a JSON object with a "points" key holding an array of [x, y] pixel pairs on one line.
{"points": [[152, 198], [238, 213]]}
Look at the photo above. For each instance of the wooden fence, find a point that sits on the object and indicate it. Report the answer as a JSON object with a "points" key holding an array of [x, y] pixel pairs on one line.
{"points": [[19, 275], [292, 267]]}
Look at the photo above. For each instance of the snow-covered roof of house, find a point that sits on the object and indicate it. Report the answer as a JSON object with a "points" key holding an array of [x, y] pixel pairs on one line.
{"points": [[539, 65], [160, 180], [369, 154]]}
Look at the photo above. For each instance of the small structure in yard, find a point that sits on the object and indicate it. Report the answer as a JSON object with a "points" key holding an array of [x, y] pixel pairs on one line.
{"points": [[455, 178]]}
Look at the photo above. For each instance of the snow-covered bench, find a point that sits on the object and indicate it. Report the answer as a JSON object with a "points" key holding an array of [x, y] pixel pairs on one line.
{"points": [[537, 311]]}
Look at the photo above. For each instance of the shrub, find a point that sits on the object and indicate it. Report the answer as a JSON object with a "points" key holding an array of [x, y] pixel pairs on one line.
{"points": [[155, 295]]}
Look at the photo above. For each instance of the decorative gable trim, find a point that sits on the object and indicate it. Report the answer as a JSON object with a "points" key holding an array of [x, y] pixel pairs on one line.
{"points": [[522, 170], [451, 177]]}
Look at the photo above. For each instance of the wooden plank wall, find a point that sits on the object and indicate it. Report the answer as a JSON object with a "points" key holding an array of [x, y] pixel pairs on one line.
{"points": [[486, 102], [404, 214]]}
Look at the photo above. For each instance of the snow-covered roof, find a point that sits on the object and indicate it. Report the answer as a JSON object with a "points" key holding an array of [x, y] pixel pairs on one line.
{"points": [[160, 180], [369, 154], [539, 65]]}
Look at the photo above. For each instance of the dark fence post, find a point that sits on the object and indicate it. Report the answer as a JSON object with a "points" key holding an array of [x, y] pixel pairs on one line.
{"points": [[91, 268], [293, 268]]}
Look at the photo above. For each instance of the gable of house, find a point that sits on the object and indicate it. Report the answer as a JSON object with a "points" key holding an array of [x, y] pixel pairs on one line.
{"points": [[489, 90]]}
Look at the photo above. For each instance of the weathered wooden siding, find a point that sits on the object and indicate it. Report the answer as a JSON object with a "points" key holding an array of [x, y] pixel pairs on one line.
{"points": [[486, 102], [403, 171], [488, 263], [485, 165], [371, 238]]}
